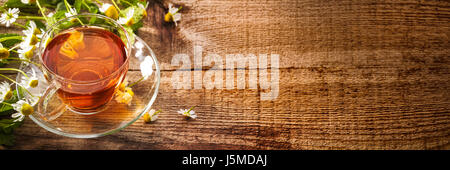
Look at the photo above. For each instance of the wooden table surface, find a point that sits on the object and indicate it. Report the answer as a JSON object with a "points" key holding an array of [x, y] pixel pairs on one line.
{"points": [[352, 75]]}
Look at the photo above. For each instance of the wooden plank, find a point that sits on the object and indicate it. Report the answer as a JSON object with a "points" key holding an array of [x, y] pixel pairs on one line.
{"points": [[311, 112], [306, 33], [353, 75]]}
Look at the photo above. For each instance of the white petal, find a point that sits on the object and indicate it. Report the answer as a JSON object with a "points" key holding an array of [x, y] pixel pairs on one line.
{"points": [[139, 53], [21, 117], [15, 115], [130, 13], [139, 45], [146, 67], [193, 116], [153, 118], [151, 112], [176, 17]]}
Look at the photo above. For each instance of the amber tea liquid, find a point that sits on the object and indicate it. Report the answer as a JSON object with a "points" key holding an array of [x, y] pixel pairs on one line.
{"points": [[87, 58]]}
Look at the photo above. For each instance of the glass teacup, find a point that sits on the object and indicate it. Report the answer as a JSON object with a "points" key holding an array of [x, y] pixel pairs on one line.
{"points": [[84, 58]]}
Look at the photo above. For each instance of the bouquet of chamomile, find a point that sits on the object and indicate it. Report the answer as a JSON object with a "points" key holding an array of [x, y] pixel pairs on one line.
{"points": [[35, 17]]}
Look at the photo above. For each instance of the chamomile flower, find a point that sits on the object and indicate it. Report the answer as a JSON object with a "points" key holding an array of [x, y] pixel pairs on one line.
{"points": [[188, 113], [4, 53], [10, 16], [26, 51], [173, 15], [143, 8], [109, 11], [151, 115], [32, 29], [30, 82], [50, 19], [23, 109], [31, 33], [124, 96], [5, 91], [128, 19], [71, 12], [146, 67], [27, 1]]}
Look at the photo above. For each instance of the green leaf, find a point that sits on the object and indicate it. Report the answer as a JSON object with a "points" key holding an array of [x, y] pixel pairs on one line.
{"points": [[40, 24], [6, 109], [61, 7], [27, 8], [49, 3], [6, 139], [126, 3], [77, 5], [137, 25], [8, 125], [11, 42]]}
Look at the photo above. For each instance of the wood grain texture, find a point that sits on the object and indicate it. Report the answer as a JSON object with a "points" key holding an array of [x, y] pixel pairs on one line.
{"points": [[353, 75]]}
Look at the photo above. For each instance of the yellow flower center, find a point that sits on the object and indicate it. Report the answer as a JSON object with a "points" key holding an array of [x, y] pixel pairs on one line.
{"points": [[4, 53], [27, 109], [34, 40], [29, 54], [147, 117], [144, 12], [36, 31], [122, 87], [168, 17], [129, 91], [34, 83], [112, 12], [8, 95], [130, 22], [47, 41]]}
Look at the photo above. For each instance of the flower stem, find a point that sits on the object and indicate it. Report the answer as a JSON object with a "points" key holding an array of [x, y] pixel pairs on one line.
{"points": [[136, 82], [42, 11], [117, 7], [9, 104], [12, 48], [17, 84], [101, 3], [156, 112], [86, 5], [190, 109], [68, 8], [14, 69], [31, 17], [11, 38], [178, 10], [20, 25], [28, 61], [128, 3]]}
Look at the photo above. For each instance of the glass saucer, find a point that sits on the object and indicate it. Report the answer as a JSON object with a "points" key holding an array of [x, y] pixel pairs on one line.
{"points": [[58, 118]]}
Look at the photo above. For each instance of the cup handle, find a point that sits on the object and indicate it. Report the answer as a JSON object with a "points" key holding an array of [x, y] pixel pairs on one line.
{"points": [[53, 111]]}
